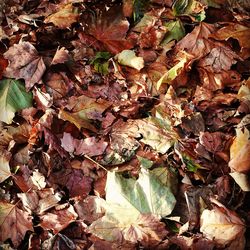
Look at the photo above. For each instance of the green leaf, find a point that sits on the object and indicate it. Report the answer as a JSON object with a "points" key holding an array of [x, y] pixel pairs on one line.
{"points": [[145, 163], [190, 8], [139, 9], [101, 63], [171, 74], [190, 164], [147, 194], [176, 31], [13, 97]]}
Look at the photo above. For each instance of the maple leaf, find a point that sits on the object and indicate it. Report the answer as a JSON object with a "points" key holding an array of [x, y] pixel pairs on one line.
{"points": [[64, 17], [3, 65], [110, 29], [221, 225], [197, 42], [13, 97], [236, 31], [122, 224], [5, 172], [14, 223], [24, 62], [147, 194], [58, 219]]}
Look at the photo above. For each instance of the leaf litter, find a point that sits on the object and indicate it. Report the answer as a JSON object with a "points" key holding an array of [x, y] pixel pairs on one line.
{"points": [[124, 124]]}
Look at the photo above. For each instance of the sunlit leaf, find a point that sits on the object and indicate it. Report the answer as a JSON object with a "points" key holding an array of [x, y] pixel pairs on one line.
{"points": [[147, 194], [13, 97], [128, 58], [4, 168]]}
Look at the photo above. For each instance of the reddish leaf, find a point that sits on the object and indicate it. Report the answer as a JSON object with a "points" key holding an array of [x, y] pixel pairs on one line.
{"points": [[110, 29], [58, 219], [24, 62], [14, 223]]}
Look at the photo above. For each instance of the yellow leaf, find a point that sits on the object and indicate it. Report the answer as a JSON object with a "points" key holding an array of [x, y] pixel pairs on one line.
{"points": [[4, 169], [239, 152]]}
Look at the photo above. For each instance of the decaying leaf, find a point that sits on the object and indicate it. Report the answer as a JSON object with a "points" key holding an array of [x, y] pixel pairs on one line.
{"points": [[13, 97], [236, 31], [14, 223], [64, 17], [24, 62], [58, 219]]}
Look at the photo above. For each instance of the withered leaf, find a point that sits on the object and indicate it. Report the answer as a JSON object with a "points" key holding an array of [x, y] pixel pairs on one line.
{"points": [[14, 223], [58, 219], [64, 17], [24, 62], [110, 29]]}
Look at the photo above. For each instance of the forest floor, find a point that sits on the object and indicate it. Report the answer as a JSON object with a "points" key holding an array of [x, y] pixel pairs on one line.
{"points": [[124, 124]]}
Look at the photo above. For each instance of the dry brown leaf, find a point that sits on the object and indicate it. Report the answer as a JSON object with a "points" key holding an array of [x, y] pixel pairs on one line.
{"points": [[24, 62], [64, 17], [14, 223], [58, 219]]}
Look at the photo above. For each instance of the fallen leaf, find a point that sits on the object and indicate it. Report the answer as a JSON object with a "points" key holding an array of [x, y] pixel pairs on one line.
{"points": [[242, 180], [239, 152], [221, 225], [5, 172], [61, 56], [147, 194], [129, 58], [13, 98], [236, 31], [24, 62], [110, 29], [64, 17], [122, 224], [14, 223], [58, 219]]}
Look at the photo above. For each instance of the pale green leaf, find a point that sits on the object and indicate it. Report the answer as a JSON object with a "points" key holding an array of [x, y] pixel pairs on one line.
{"points": [[147, 194], [13, 97], [129, 58]]}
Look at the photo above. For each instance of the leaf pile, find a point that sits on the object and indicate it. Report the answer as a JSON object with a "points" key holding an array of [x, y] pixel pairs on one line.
{"points": [[124, 124]]}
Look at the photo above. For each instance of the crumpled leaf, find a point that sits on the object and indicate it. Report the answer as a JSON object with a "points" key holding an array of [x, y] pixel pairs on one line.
{"points": [[58, 219], [184, 59], [147, 194], [122, 224], [83, 110], [129, 58], [5, 172], [221, 225], [191, 8], [64, 17], [13, 97], [239, 152], [14, 223], [24, 62], [156, 135], [236, 31]]}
